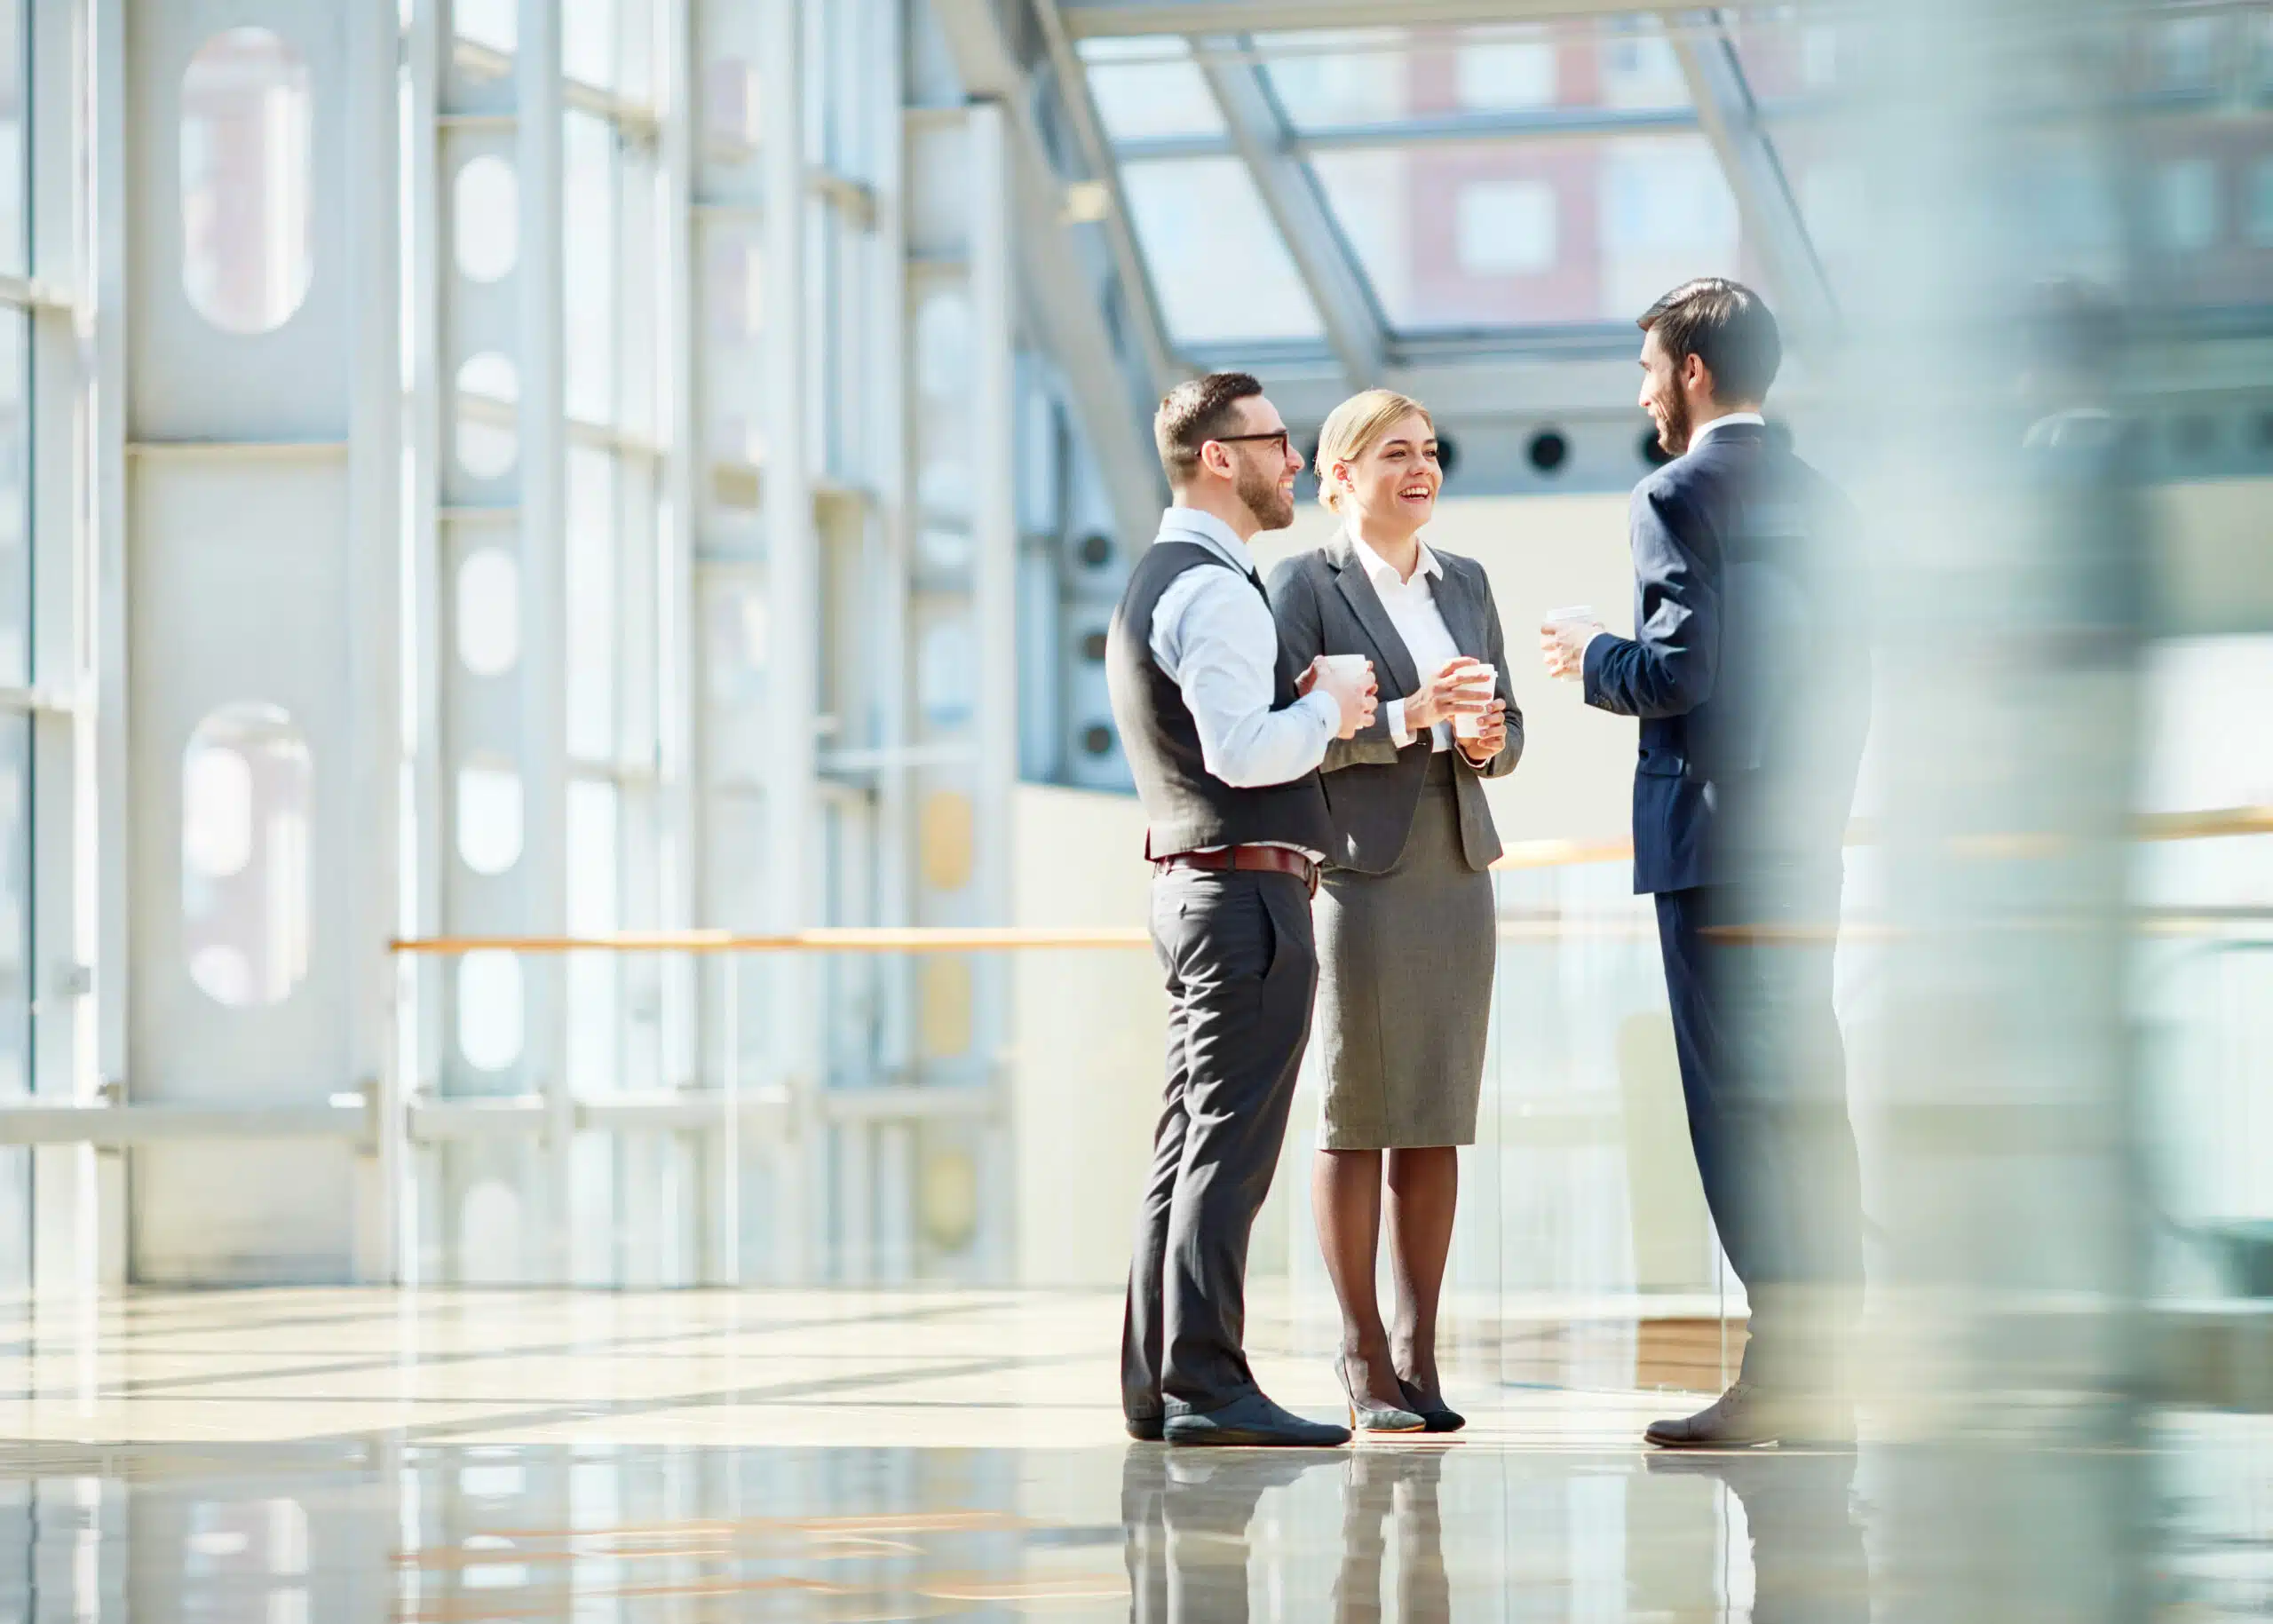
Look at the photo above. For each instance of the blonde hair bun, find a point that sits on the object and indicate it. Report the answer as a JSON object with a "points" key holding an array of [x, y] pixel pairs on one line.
{"points": [[1356, 428]]}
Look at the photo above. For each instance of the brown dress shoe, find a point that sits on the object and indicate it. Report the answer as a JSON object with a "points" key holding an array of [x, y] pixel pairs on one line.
{"points": [[1739, 1419], [1749, 1417]]}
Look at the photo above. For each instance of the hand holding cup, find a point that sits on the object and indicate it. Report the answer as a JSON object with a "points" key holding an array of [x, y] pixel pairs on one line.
{"points": [[1349, 680], [1460, 694], [1491, 735], [1563, 640]]}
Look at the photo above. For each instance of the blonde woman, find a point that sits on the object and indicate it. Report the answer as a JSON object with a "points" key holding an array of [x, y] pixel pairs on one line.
{"points": [[1406, 935]]}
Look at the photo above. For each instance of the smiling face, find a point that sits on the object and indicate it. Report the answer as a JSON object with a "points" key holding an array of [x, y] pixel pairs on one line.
{"points": [[1263, 471], [1394, 481], [1669, 393]]}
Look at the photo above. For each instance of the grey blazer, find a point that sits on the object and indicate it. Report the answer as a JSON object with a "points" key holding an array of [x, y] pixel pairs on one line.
{"points": [[1325, 605]]}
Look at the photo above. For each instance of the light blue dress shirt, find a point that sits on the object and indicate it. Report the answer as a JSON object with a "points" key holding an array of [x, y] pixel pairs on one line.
{"points": [[1213, 636]]}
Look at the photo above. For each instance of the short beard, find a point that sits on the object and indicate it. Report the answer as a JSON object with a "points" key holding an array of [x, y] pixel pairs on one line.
{"points": [[1679, 428], [1273, 508]]}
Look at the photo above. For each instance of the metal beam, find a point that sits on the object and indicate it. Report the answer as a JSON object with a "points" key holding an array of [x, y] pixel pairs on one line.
{"points": [[1298, 207], [1550, 123], [351, 1116], [1458, 389], [1765, 203], [1062, 294], [1121, 19], [1140, 300]]}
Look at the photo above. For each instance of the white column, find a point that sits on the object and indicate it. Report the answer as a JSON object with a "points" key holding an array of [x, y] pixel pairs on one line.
{"points": [[373, 614], [543, 486], [62, 881], [102, 738], [261, 412], [419, 1064], [793, 620], [995, 612], [886, 434], [677, 693], [995, 511]]}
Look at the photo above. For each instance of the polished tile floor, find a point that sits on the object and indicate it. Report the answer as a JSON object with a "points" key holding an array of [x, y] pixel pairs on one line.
{"points": [[306, 1457]]}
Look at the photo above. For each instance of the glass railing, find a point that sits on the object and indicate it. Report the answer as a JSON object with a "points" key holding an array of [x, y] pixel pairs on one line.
{"points": [[1584, 1256], [1583, 1253]]}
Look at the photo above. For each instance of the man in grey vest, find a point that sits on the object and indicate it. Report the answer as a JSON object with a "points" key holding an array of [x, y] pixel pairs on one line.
{"points": [[1223, 736]]}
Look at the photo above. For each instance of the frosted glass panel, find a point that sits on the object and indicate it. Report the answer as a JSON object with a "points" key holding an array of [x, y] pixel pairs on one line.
{"points": [[248, 789], [247, 126]]}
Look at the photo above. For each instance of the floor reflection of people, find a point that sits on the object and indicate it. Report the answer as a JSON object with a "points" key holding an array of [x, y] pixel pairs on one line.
{"points": [[1809, 1566], [1185, 1516], [1384, 1492]]}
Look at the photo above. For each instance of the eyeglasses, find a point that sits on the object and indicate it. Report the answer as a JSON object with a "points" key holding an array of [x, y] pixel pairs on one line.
{"points": [[1283, 436]]}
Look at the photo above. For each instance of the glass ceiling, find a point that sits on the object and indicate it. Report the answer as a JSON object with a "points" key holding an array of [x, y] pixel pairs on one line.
{"points": [[1220, 269], [1493, 178], [1515, 180]]}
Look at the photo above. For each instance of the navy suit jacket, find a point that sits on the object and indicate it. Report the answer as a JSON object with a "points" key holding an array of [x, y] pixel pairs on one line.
{"points": [[1750, 668]]}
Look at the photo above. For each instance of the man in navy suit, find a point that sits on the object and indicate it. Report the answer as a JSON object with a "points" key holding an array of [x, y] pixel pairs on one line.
{"points": [[1750, 671]]}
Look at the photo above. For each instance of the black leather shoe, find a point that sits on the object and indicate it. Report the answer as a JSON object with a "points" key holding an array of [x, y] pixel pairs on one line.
{"points": [[1441, 1419], [1749, 1417], [1144, 1428], [1254, 1422]]}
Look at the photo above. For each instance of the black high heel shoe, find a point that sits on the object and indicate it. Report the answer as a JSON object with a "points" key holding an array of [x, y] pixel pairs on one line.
{"points": [[1366, 1416], [1441, 1419]]}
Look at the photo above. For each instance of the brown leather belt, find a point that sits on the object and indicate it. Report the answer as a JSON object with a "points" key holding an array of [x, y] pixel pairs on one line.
{"points": [[1264, 860]]}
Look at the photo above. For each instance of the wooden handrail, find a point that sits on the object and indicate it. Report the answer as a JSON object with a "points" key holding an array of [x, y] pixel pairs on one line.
{"points": [[880, 939], [1565, 853], [2220, 824]]}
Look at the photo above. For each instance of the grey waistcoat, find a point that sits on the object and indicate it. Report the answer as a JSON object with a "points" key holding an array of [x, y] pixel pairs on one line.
{"points": [[1188, 808]]}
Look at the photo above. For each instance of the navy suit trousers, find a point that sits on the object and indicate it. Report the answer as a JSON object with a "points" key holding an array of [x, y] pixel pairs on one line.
{"points": [[1763, 1073]]}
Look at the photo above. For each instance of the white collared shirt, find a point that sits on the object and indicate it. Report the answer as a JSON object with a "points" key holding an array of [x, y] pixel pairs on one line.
{"points": [[1213, 636], [1413, 610], [1704, 431]]}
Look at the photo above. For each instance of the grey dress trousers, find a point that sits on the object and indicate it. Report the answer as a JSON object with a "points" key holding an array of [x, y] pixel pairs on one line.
{"points": [[1237, 948], [1406, 922]]}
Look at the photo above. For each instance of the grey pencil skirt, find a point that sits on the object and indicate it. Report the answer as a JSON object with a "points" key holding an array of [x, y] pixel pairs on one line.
{"points": [[1405, 988]]}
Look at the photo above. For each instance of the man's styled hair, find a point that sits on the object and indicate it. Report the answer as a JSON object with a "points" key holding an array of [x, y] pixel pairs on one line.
{"points": [[1194, 413], [1725, 325]]}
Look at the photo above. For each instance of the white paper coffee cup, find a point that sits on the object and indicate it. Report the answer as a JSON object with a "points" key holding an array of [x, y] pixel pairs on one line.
{"points": [[1478, 676], [1580, 613], [1349, 668]]}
